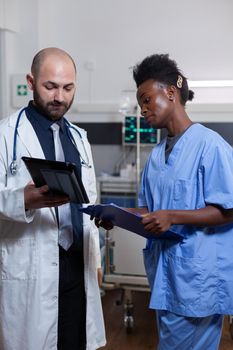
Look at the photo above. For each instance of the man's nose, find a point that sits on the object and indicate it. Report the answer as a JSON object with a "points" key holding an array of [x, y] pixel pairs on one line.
{"points": [[59, 95]]}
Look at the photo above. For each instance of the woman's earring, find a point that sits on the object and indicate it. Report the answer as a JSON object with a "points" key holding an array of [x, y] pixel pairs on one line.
{"points": [[179, 82]]}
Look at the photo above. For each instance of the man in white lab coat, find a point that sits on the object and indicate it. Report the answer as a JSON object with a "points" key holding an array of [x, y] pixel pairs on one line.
{"points": [[49, 297]]}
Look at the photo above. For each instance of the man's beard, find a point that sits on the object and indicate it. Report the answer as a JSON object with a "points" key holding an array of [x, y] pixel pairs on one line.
{"points": [[52, 110]]}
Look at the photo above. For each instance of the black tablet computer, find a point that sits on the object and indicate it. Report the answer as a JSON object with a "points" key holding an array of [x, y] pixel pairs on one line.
{"points": [[60, 177]]}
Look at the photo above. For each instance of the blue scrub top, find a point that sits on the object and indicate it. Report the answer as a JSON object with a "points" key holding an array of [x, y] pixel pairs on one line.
{"points": [[194, 276]]}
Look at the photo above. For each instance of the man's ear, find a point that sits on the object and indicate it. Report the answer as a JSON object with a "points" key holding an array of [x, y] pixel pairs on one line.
{"points": [[30, 81], [171, 91]]}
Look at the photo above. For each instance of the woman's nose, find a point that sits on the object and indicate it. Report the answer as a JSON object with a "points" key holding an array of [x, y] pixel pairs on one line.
{"points": [[143, 110]]}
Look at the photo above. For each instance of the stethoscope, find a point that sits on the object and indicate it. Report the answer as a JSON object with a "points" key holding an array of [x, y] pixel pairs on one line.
{"points": [[14, 166]]}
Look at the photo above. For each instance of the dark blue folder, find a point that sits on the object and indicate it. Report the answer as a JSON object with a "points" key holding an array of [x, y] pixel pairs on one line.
{"points": [[122, 218]]}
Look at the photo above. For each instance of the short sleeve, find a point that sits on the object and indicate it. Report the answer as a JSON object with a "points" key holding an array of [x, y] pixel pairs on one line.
{"points": [[217, 167]]}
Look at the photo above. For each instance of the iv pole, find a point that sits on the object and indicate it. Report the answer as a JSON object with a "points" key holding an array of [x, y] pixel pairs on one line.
{"points": [[125, 106], [138, 151]]}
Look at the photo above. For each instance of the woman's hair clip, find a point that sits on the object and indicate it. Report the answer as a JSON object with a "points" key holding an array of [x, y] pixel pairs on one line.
{"points": [[179, 82]]}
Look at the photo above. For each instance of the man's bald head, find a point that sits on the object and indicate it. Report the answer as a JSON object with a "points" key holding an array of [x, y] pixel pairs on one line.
{"points": [[45, 54], [53, 82]]}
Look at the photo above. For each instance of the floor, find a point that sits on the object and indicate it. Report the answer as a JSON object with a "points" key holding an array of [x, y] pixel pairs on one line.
{"points": [[142, 336]]}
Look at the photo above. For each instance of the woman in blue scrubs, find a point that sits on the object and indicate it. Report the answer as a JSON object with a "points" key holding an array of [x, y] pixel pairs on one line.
{"points": [[186, 191]]}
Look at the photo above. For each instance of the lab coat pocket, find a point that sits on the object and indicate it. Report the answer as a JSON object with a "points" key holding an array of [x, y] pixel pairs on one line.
{"points": [[18, 259], [184, 279]]}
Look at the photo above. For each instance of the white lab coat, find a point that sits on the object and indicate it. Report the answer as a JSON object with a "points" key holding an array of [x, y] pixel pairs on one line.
{"points": [[29, 260]]}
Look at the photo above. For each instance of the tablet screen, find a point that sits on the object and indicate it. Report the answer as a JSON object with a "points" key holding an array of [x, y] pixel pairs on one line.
{"points": [[60, 177]]}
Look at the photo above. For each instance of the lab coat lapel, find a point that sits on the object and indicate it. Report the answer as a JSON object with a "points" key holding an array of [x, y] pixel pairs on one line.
{"points": [[29, 138]]}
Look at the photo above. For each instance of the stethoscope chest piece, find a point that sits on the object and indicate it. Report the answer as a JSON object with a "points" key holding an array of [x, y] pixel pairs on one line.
{"points": [[13, 167]]}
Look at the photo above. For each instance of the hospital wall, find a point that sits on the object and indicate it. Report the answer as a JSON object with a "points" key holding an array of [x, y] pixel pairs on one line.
{"points": [[106, 38]]}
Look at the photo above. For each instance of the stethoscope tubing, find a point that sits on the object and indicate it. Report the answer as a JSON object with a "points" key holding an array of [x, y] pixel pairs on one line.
{"points": [[83, 162], [13, 165], [15, 134]]}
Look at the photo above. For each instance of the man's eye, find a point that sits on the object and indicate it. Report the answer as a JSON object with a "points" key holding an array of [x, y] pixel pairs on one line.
{"points": [[49, 87], [69, 88]]}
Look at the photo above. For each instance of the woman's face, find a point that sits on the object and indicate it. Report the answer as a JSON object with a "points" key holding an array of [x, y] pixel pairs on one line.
{"points": [[155, 100]]}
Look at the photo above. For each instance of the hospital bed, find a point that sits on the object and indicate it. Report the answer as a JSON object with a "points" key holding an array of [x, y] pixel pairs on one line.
{"points": [[123, 259], [124, 269], [231, 325]]}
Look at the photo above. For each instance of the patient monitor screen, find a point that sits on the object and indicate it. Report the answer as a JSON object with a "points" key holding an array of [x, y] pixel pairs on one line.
{"points": [[148, 135]]}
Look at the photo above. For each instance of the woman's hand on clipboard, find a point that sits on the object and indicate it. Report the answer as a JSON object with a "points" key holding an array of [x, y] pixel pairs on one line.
{"points": [[107, 225]]}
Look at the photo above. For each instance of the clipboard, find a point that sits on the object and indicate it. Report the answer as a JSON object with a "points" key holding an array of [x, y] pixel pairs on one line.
{"points": [[129, 221], [60, 177]]}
